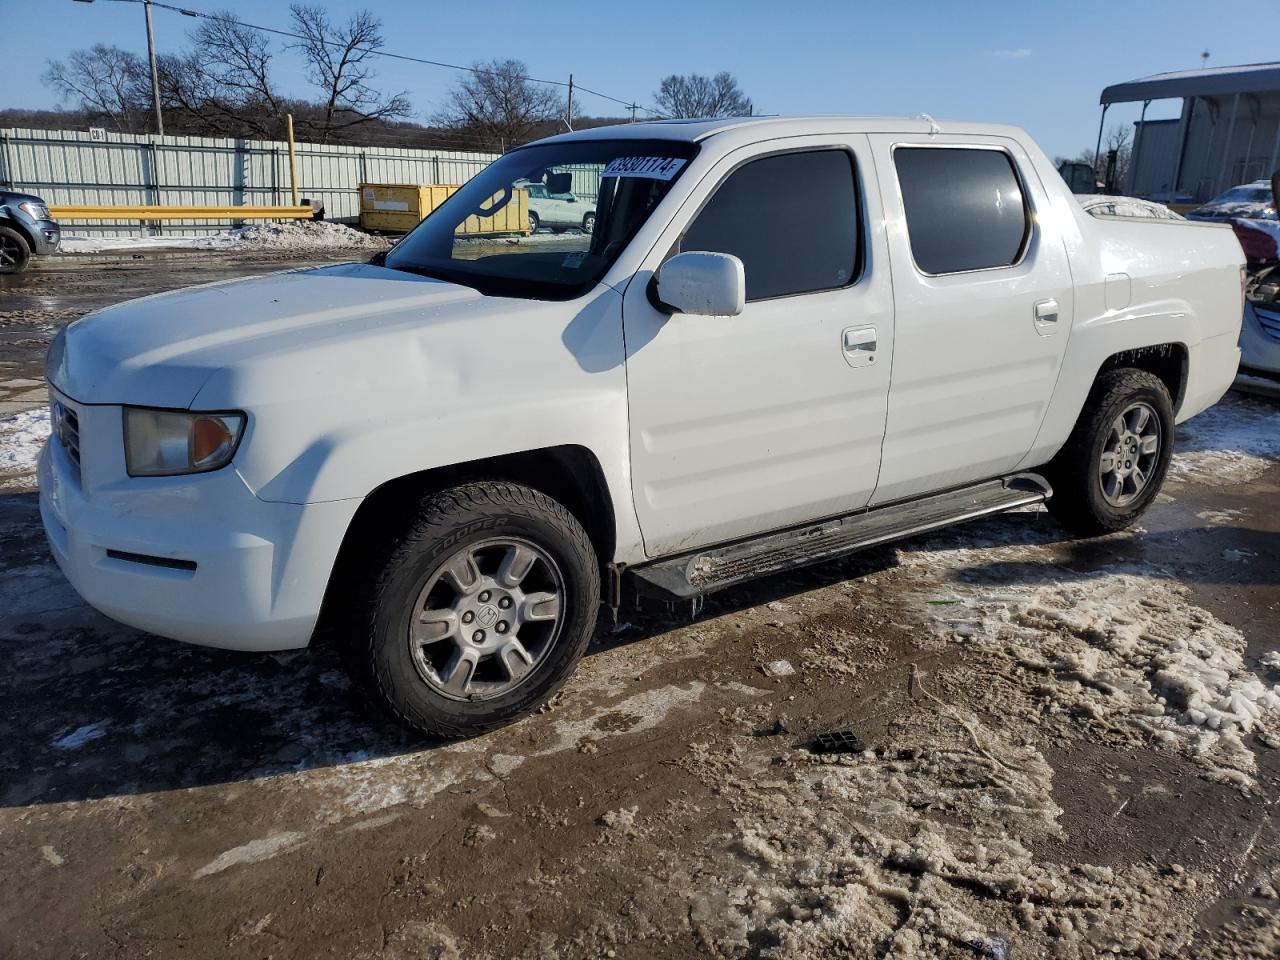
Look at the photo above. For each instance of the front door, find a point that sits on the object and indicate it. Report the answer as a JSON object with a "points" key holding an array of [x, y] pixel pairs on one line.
{"points": [[983, 306], [773, 417]]}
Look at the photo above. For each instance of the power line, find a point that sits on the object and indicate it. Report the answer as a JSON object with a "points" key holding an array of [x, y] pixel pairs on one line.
{"points": [[479, 71]]}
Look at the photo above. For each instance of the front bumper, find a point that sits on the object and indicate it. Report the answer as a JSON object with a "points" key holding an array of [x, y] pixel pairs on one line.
{"points": [[198, 558], [1259, 353], [47, 236]]}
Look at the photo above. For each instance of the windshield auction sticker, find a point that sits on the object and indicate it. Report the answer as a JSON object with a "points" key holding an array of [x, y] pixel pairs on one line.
{"points": [[654, 168]]}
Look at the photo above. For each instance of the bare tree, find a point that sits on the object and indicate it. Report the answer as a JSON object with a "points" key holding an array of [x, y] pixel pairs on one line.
{"points": [[104, 80], [224, 83], [499, 104], [1118, 138], [337, 62], [683, 96]]}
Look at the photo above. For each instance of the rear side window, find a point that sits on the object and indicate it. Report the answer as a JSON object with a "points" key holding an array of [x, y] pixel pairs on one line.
{"points": [[792, 219], [965, 208]]}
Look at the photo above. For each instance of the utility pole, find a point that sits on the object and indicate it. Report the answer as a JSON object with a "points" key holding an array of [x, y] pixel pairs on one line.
{"points": [[293, 160], [151, 56], [155, 76], [633, 113], [568, 120]]}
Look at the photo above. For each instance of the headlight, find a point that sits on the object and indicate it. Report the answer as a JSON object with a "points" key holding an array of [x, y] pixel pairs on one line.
{"points": [[37, 211], [163, 443]]}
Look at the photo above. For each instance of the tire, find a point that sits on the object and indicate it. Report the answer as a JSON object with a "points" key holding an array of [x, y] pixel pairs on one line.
{"points": [[15, 253], [412, 597], [1093, 496], [589, 222], [534, 222]]}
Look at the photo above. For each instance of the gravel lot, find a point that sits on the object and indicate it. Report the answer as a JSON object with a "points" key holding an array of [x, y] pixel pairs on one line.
{"points": [[1072, 749]]}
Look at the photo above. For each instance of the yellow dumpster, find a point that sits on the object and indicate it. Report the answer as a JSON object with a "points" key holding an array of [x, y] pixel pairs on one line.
{"points": [[398, 208]]}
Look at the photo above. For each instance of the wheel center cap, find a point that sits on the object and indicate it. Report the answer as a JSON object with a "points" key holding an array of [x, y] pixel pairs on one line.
{"points": [[487, 615]]}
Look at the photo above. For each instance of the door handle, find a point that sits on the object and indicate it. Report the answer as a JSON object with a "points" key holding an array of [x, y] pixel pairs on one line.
{"points": [[1045, 313], [860, 338], [859, 345]]}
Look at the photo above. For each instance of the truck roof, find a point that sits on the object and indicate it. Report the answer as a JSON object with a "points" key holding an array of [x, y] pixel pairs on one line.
{"points": [[694, 131]]}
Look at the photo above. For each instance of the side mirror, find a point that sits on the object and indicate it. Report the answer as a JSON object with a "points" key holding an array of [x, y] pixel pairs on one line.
{"points": [[701, 283]]}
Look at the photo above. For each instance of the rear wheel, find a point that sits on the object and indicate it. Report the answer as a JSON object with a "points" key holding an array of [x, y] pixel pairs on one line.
{"points": [[15, 254], [1116, 458], [480, 611]]}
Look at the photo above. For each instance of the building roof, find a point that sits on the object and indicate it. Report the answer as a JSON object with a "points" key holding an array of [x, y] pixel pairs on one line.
{"points": [[1208, 82]]}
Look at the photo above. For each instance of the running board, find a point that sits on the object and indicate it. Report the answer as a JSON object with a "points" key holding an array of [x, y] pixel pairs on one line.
{"points": [[705, 571]]}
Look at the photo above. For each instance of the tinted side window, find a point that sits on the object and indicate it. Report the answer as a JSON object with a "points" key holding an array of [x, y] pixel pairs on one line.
{"points": [[965, 209], [792, 219]]}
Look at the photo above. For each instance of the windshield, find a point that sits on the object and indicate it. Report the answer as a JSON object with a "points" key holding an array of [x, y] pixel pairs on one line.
{"points": [[545, 221], [1244, 195]]}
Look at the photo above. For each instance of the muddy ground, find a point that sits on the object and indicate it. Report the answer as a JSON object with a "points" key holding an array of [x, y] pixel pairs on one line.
{"points": [[1070, 751]]}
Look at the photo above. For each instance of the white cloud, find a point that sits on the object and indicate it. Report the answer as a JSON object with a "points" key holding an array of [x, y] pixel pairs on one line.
{"points": [[1021, 53]]}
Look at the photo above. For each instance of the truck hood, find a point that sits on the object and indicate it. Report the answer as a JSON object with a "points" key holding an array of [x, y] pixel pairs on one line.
{"points": [[161, 350]]}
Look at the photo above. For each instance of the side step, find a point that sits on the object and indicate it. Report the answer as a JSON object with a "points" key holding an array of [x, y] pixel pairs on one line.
{"points": [[714, 568]]}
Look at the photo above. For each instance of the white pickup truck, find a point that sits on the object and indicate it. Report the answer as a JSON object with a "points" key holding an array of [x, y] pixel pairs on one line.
{"points": [[783, 340]]}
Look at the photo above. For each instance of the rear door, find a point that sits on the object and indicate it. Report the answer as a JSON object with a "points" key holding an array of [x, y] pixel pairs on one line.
{"points": [[774, 417], [983, 307]]}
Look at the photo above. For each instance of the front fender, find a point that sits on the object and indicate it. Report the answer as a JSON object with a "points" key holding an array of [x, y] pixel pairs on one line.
{"points": [[329, 424]]}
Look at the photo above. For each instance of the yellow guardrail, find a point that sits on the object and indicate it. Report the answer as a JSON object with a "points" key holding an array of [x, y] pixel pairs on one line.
{"points": [[182, 213]]}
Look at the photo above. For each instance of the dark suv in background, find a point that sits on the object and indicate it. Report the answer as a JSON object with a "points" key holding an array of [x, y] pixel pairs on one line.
{"points": [[26, 229]]}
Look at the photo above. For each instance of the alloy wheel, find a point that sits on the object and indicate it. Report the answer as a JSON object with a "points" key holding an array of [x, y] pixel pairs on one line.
{"points": [[1130, 454], [486, 618], [10, 252]]}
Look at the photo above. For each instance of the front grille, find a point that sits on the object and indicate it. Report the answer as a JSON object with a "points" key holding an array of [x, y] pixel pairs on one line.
{"points": [[1270, 323], [66, 428]]}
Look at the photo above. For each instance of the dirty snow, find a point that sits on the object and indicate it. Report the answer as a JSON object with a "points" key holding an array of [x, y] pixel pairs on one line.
{"points": [[286, 236], [22, 436], [1232, 442], [1121, 654], [924, 852], [252, 852]]}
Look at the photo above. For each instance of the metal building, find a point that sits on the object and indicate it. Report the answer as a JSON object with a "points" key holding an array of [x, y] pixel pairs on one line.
{"points": [[1228, 131]]}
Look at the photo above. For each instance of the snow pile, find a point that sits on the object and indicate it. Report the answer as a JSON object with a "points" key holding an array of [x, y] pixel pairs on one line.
{"points": [[22, 436], [287, 236], [85, 245], [1232, 442], [1122, 654], [293, 235]]}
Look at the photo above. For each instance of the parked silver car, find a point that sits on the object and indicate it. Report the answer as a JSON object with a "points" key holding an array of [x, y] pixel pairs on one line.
{"points": [[1260, 335], [1250, 200]]}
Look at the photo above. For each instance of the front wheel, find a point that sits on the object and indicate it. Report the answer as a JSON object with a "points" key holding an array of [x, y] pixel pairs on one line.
{"points": [[589, 223], [1116, 458], [15, 254], [534, 223], [480, 610]]}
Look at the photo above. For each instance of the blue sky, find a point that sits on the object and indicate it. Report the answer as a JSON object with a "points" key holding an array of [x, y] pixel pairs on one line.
{"points": [[1038, 65]]}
